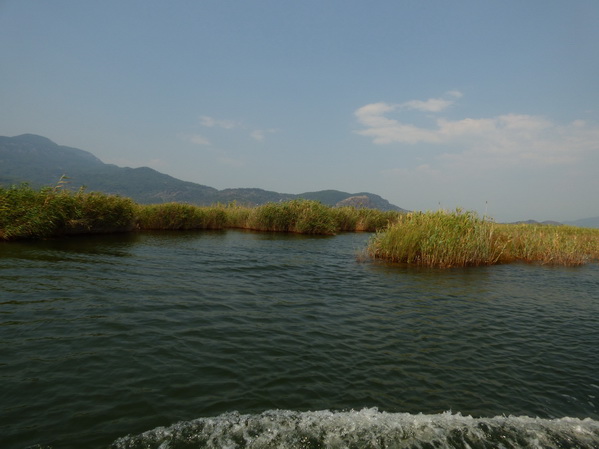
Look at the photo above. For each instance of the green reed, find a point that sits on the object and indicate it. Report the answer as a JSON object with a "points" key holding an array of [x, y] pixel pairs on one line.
{"points": [[179, 216], [547, 244], [299, 216], [52, 211], [458, 239], [351, 219], [438, 239]]}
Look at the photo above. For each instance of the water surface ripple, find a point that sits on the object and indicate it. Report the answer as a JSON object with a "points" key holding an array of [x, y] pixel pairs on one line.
{"points": [[106, 336]]}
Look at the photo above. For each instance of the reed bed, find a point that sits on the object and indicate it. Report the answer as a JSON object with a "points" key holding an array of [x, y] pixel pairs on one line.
{"points": [[52, 211], [298, 216], [351, 219], [179, 216], [554, 245], [458, 239], [434, 239], [55, 211]]}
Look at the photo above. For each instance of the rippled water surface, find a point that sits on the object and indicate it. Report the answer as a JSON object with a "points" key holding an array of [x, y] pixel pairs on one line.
{"points": [[108, 336]]}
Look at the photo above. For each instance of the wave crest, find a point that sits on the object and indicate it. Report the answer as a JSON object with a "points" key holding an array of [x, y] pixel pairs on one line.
{"points": [[367, 428]]}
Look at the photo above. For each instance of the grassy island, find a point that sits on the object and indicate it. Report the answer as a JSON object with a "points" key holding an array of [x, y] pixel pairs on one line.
{"points": [[459, 239]]}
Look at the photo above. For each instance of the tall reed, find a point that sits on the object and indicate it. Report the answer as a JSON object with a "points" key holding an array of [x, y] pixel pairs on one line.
{"points": [[437, 239], [306, 216], [52, 211], [457, 239], [299, 216], [351, 219], [179, 216], [556, 245]]}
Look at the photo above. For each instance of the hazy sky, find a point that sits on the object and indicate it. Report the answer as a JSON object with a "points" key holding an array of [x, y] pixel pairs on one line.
{"points": [[486, 105]]}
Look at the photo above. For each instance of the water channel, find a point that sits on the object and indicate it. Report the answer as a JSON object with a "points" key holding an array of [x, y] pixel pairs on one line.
{"points": [[259, 340]]}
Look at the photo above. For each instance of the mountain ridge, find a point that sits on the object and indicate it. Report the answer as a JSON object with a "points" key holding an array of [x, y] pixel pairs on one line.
{"points": [[37, 160]]}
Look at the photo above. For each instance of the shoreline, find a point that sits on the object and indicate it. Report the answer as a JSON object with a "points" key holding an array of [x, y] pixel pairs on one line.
{"points": [[441, 239]]}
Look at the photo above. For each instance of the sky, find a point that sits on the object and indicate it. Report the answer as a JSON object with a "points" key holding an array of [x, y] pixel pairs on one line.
{"points": [[490, 106]]}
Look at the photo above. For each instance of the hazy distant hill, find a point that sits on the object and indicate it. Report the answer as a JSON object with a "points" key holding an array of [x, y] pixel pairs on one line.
{"points": [[535, 222], [41, 162], [592, 222]]}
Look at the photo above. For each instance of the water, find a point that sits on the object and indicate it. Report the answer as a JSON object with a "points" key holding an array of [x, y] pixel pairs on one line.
{"points": [[239, 339]]}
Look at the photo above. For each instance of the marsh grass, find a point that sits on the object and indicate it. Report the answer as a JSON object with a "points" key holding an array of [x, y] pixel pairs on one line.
{"points": [[351, 219], [459, 239], [312, 217], [299, 216], [435, 239], [554, 245], [179, 216], [53, 211]]}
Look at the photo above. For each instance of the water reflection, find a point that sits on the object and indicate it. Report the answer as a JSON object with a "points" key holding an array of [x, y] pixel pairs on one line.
{"points": [[51, 250]]}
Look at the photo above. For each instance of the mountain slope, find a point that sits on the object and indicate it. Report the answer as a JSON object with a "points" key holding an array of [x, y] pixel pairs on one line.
{"points": [[41, 162], [34, 157], [592, 222]]}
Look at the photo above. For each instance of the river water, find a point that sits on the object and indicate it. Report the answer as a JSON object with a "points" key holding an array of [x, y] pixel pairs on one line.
{"points": [[240, 339]]}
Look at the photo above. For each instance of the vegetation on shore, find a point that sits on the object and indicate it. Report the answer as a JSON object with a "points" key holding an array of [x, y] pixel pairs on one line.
{"points": [[54, 211], [458, 239], [434, 239]]}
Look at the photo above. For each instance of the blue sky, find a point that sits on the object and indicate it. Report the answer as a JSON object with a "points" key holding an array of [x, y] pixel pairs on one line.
{"points": [[485, 105]]}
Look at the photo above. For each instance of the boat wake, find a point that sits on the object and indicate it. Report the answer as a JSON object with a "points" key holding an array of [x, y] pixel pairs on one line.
{"points": [[367, 428]]}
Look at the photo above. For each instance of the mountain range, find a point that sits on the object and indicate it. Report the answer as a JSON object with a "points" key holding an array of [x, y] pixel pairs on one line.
{"points": [[38, 161]]}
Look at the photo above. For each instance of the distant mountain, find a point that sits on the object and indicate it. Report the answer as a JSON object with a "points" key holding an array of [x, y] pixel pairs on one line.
{"points": [[592, 222], [40, 162], [547, 222]]}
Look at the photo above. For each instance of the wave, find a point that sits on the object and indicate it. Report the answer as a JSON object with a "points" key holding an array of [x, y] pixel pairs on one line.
{"points": [[367, 428]]}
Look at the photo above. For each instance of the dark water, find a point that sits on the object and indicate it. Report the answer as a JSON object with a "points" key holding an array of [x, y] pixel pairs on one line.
{"points": [[272, 340]]}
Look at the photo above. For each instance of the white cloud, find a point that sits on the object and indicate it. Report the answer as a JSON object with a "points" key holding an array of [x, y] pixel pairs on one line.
{"points": [[430, 105], [505, 139], [386, 130], [211, 122], [260, 134], [199, 140], [455, 94]]}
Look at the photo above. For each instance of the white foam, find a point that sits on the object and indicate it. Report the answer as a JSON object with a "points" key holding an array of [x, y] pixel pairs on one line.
{"points": [[368, 428]]}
